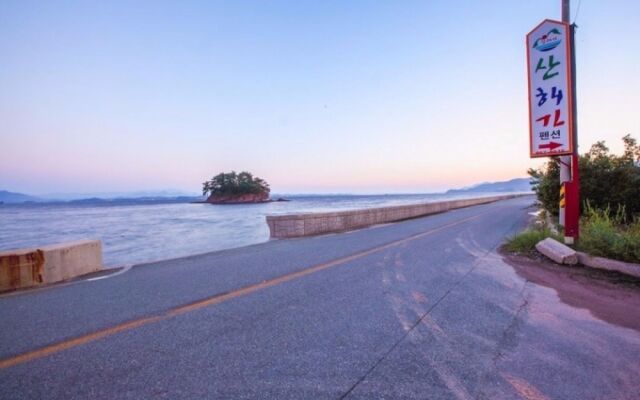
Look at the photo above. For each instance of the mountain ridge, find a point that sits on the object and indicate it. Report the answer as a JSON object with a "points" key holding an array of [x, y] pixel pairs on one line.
{"points": [[512, 185], [14, 197]]}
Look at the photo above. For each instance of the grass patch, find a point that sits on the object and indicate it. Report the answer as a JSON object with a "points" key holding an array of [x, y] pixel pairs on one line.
{"points": [[525, 242], [606, 234], [603, 233]]}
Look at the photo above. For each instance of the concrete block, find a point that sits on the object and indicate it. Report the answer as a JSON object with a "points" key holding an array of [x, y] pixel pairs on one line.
{"points": [[67, 260], [48, 264], [608, 264], [21, 268], [557, 251]]}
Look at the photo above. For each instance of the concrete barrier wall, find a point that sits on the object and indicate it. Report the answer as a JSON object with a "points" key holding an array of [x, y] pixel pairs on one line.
{"points": [[295, 225], [37, 266]]}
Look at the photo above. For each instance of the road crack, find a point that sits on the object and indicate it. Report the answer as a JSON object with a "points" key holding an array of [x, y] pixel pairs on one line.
{"points": [[512, 325], [418, 322], [509, 338]]}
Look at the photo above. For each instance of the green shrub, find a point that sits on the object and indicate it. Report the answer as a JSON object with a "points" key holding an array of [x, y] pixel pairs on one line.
{"points": [[604, 233], [627, 248], [598, 233], [633, 239], [605, 179]]}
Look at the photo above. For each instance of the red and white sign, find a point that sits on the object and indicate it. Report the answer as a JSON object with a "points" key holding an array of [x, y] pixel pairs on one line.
{"points": [[550, 97]]}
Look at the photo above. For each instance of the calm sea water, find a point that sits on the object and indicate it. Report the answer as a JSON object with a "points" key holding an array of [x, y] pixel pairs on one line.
{"points": [[147, 232]]}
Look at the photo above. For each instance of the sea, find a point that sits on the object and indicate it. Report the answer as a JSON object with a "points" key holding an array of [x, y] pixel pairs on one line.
{"points": [[137, 232]]}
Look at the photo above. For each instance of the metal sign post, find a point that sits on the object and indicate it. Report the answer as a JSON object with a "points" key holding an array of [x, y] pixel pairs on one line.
{"points": [[572, 211]]}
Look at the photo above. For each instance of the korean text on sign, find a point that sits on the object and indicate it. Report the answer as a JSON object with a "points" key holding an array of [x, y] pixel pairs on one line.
{"points": [[549, 76]]}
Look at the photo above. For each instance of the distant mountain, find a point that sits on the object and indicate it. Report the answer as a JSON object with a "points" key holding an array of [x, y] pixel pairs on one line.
{"points": [[514, 185], [119, 195], [122, 201], [159, 197], [12, 197]]}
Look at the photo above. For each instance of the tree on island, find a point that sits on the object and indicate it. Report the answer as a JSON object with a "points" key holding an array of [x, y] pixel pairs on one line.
{"points": [[233, 187]]}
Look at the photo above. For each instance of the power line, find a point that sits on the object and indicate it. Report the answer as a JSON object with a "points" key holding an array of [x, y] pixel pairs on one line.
{"points": [[575, 17]]}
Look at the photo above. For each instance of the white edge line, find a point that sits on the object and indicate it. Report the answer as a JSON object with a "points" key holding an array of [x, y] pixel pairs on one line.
{"points": [[124, 269]]}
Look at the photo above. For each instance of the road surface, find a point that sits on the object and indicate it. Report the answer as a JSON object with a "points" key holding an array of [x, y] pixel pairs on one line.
{"points": [[421, 309]]}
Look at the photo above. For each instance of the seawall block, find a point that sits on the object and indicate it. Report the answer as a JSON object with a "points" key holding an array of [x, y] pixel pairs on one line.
{"points": [[48, 264], [296, 225]]}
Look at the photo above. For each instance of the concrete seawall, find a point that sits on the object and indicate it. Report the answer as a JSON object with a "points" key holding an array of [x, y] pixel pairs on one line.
{"points": [[296, 225], [47, 264]]}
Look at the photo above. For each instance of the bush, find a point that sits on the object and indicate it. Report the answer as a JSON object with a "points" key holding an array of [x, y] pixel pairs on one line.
{"points": [[605, 179], [605, 234], [546, 185], [628, 247], [599, 233], [632, 241]]}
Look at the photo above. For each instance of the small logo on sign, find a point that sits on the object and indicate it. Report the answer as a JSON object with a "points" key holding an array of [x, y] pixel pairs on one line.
{"points": [[549, 41]]}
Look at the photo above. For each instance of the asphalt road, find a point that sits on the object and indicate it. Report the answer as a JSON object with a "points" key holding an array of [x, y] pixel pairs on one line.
{"points": [[422, 309]]}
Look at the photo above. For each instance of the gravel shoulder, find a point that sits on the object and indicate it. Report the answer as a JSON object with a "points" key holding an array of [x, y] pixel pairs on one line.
{"points": [[609, 296]]}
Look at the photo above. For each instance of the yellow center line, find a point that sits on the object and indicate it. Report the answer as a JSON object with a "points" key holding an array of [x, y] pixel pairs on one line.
{"points": [[210, 301]]}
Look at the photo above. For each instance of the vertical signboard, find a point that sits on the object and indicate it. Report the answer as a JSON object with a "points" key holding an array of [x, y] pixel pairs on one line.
{"points": [[549, 75]]}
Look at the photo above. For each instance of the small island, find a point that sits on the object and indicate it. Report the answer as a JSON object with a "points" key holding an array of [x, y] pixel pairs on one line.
{"points": [[233, 188]]}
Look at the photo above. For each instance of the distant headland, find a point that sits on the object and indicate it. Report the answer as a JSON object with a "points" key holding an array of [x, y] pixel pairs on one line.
{"points": [[520, 185]]}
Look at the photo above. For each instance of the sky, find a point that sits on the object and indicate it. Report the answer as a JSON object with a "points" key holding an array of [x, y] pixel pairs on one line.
{"points": [[313, 96]]}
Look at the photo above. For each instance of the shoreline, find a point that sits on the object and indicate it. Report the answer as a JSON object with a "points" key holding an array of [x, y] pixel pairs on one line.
{"points": [[146, 233], [109, 271], [231, 203]]}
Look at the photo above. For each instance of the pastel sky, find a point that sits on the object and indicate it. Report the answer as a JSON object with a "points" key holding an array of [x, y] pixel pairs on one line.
{"points": [[313, 96]]}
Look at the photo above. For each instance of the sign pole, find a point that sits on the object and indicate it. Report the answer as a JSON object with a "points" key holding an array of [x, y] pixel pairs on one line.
{"points": [[552, 109], [569, 168], [565, 161]]}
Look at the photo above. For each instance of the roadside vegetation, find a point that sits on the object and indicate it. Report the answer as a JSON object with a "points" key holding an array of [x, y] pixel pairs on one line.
{"points": [[606, 180], [610, 209], [607, 233], [525, 242]]}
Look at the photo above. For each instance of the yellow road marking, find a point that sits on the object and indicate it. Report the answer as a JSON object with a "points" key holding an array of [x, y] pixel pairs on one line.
{"points": [[213, 300]]}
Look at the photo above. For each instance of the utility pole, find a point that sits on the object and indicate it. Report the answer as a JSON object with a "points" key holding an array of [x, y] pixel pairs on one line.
{"points": [[569, 169]]}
